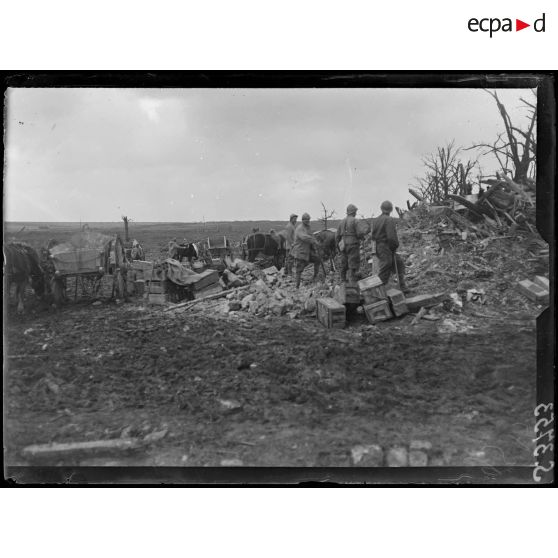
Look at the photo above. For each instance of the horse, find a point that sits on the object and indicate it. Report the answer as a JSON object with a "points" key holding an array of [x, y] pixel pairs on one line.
{"points": [[188, 250], [268, 244], [22, 267], [327, 245]]}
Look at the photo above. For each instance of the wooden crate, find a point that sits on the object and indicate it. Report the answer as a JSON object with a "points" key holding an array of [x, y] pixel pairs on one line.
{"points": [[378, 311], [372, 289], [533, 292], [139, 287], [369, 282], [395, 296], [331, 314], [374, 294], [347, 294], [157, 287], [202, 280]]}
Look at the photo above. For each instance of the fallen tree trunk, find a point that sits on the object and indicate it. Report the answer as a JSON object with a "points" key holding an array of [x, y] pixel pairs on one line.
{"points": [[414, 193]]}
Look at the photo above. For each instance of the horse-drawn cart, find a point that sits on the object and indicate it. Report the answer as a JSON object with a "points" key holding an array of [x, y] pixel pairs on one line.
{"points": [[88, 257]]}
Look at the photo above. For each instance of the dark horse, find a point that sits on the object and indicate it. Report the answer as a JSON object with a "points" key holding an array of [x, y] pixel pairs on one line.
{"points": [[179, 251], [327, 246], [22, 267], [268, 244]]}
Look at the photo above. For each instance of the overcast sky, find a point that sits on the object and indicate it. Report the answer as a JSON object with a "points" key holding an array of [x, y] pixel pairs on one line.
{"points": [[228, 154]]}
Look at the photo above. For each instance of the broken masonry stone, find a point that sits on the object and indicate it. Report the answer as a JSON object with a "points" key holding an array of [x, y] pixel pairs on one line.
{"points": [[260, 285], [271, 270], [418, 458], [397, 457], [261, 299], [455, 303], [234, 305], [367, 455], [278, 308], [230, 406], [232, 279], [310, 304], [245, 302]]}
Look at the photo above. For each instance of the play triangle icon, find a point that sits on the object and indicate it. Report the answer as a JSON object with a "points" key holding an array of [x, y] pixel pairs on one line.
{"points": [[519, 25]]}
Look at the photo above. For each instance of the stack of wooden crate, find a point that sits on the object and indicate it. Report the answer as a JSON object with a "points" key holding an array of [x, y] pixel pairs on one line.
{"points": [[376, 304], [157, 293], [381, 304], [139, 275]]}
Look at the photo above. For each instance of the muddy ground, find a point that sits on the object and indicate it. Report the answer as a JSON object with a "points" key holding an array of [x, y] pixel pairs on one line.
{"points": [[241, 389]]}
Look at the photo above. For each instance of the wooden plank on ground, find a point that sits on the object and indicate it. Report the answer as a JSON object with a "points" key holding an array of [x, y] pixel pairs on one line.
{"points": [[79, 449]]}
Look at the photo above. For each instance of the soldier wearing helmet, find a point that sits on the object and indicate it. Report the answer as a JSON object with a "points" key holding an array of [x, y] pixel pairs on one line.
{"points": [[349, 234], [305, 249], [385, 234], [290, 231]]}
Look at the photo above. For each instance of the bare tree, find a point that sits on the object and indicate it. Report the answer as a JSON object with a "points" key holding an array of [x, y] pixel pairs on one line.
{"points": [[516, 147], [445, 174], [126, 234], [326, 215]]}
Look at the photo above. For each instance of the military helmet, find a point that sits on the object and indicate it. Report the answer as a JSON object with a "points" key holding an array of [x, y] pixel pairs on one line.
{"points": [[386, 206], [293, 215], [305, 217], [351, 209]]}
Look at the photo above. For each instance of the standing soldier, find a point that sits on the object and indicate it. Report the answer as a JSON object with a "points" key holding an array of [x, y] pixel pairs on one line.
{"points": [[349, 234], [385, 235], [302, 251], [290, 229]]}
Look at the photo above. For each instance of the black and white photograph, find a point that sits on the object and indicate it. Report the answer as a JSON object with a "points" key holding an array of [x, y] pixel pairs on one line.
{"points": [[348, 276]]}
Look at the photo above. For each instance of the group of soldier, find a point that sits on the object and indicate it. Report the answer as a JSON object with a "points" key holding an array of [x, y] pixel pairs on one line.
{"points": [[302, 246]]}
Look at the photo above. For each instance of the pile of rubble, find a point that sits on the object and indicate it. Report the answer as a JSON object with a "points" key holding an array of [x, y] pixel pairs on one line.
{"points": [[270, 292], [505, 207]]}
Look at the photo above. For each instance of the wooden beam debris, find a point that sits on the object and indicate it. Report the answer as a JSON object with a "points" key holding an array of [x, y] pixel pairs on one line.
{"points": [[188, 304], [73, 450]]}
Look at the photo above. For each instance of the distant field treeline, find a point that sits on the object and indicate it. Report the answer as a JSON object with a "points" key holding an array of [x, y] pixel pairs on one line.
{"points": [[113, 227]]}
